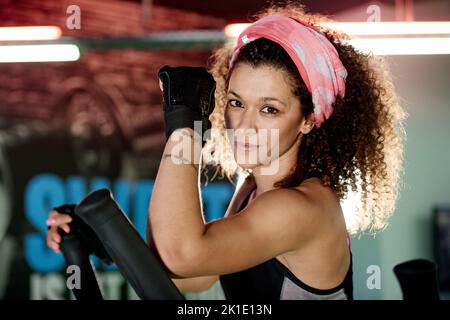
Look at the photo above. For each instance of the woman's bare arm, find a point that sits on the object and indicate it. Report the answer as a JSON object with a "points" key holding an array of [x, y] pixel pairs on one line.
{"points": [[197, 284]]}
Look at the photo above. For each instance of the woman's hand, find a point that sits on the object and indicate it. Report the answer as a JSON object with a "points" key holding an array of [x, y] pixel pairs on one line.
{"points": [[188, 96], [56, 220]]}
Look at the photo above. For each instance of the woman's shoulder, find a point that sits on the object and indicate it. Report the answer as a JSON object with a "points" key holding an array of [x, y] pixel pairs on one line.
{"points": [[331, 227], [315, 189], [322, 197]]}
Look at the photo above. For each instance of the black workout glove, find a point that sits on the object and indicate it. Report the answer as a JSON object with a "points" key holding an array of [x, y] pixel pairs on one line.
{"points": [[188, 94], [87, 236]]}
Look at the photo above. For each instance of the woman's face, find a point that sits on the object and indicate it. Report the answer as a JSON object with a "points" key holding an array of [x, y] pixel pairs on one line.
{"points": [[264, 115]]}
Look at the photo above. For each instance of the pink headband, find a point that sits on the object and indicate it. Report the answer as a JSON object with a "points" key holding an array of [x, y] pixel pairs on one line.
{"points": [[315, 57]]}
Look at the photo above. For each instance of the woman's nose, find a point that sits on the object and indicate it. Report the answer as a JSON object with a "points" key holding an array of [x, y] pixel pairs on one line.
{"points": [[246, 131], [247, 120]]}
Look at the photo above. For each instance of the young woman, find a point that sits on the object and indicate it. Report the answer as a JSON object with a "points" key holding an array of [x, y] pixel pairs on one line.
{"points": [[337, 125]]}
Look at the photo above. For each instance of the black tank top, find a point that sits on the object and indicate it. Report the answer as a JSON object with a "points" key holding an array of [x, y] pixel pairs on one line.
{"points": [[272, 280]]}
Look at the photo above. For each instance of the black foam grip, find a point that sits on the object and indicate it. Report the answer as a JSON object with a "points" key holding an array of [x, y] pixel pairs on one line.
{"points": [[76, 253], [126, 247], [418, 279]]}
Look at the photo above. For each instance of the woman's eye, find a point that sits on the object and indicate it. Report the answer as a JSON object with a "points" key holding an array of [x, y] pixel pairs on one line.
{"points": [[234, 103], [270, 110]]}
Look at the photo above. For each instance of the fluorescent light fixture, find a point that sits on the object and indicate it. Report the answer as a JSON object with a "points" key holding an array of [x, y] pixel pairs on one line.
{"points": [[233, 30], [29, 33], [368, 28], [403, 46], [39, 53], [385, 38], [391, 28]]}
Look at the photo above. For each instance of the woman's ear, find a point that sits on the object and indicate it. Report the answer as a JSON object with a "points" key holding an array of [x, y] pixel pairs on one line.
{"points": [[307, 124]]}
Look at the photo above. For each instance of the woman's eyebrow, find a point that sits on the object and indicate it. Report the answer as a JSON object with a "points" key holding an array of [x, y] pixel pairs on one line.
{"points": [[272, 99], [234, 94], [262, 98]]}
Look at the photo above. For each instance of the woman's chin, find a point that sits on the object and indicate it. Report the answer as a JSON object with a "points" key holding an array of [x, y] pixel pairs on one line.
{"points": [[247, 166], [269, 164]]}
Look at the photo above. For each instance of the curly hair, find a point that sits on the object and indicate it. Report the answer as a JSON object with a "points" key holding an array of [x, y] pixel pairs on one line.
{"points": [[359, 147]]}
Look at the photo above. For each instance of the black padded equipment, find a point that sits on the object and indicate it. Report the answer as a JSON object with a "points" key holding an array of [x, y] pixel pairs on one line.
{"points": [[76, 253], [418, 279], [126, 247]]}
